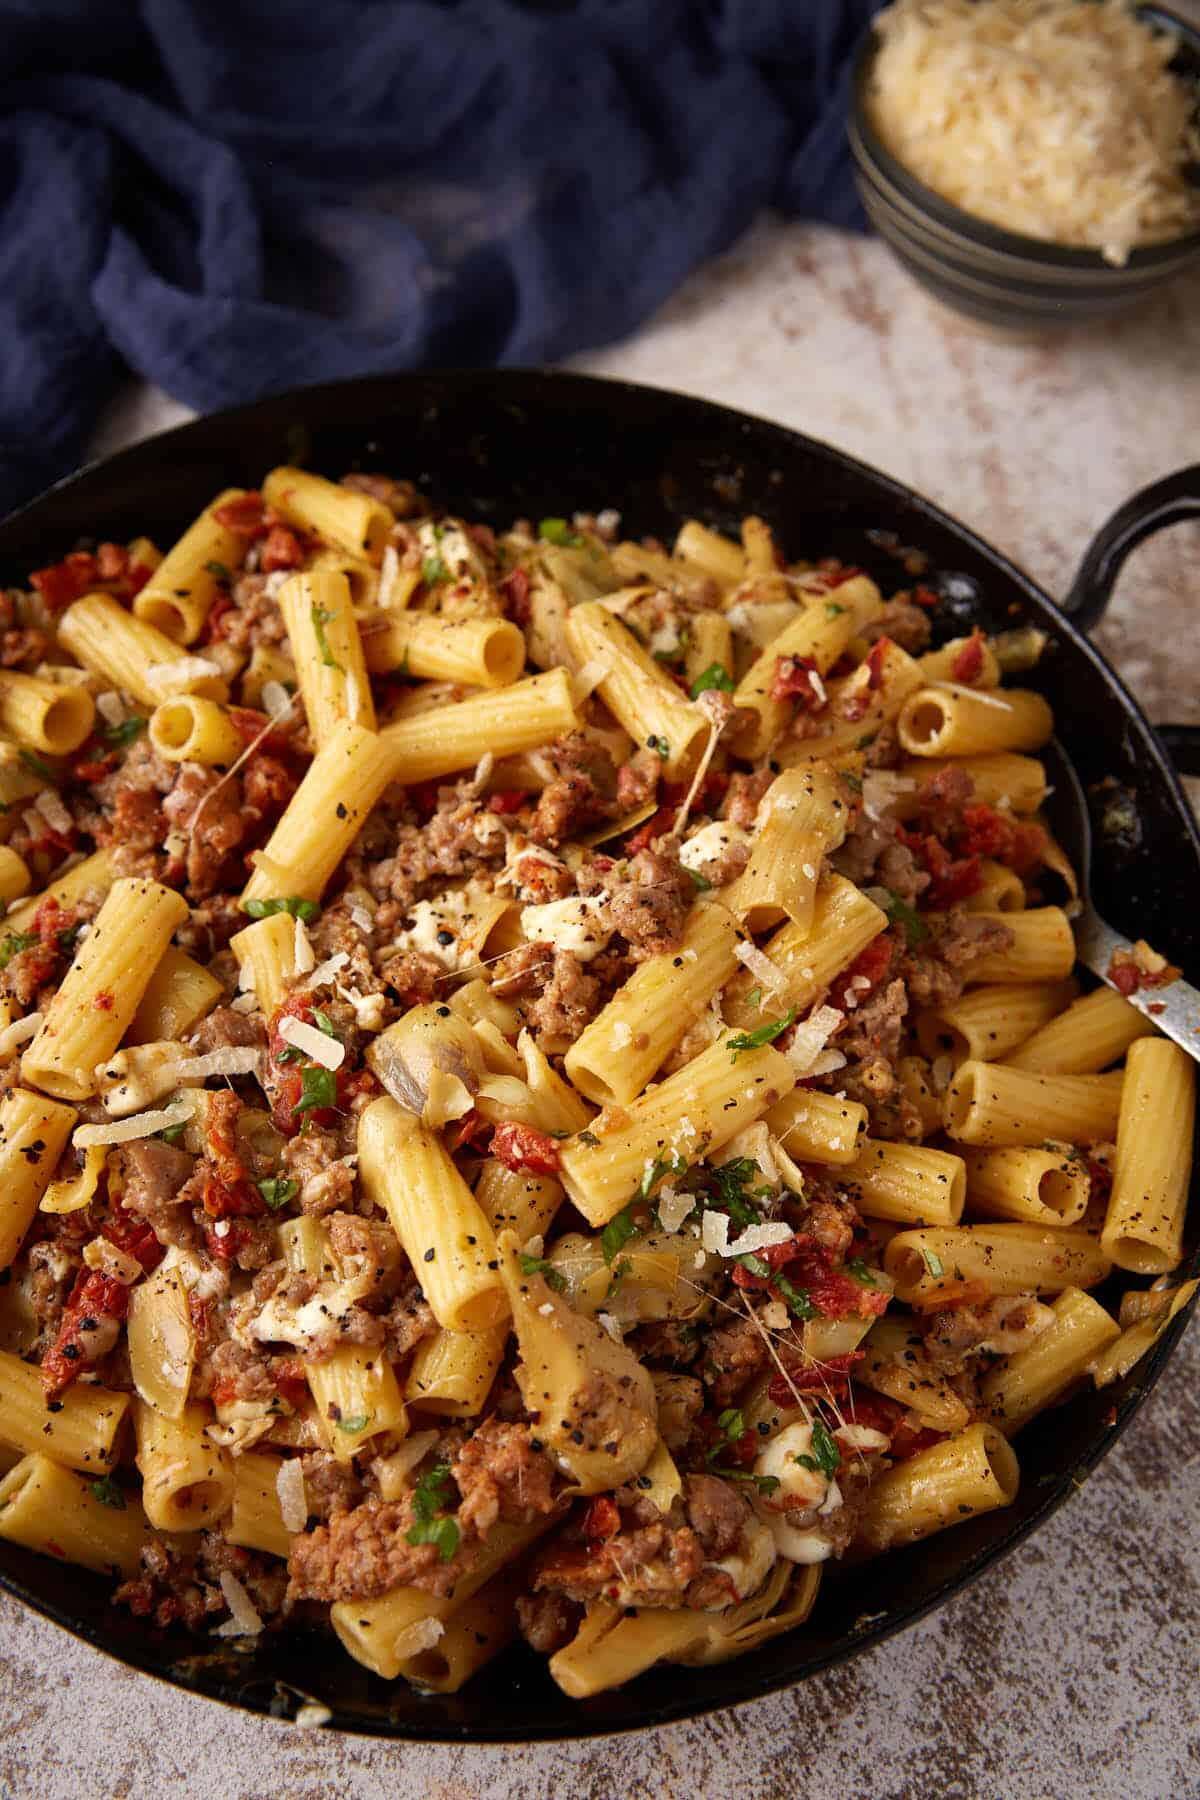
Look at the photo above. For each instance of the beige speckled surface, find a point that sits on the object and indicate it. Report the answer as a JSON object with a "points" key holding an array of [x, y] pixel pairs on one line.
{"points": [[1073, 1668]]}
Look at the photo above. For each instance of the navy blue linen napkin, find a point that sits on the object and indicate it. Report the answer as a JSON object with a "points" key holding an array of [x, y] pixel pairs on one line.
{"points": [[232, 197]]}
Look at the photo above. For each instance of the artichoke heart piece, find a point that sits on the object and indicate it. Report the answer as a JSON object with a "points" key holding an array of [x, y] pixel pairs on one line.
{"points": [[592, 1401]]}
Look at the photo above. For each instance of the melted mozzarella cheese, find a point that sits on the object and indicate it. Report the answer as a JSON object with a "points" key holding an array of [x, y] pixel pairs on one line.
{"points": [[573, 924]]}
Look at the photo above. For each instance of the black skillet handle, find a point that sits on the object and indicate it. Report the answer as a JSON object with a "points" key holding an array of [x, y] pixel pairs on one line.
{"points": [[1167, 502]]}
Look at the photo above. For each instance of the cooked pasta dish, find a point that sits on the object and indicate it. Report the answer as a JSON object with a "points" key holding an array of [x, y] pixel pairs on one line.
{"points": [[543, 1086]]}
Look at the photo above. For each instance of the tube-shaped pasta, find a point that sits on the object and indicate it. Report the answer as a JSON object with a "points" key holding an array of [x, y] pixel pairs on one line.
{"points": [[90, 879], [453, 1372], [709, 645], [266, 957], [187, 1482], [709, 552], [896, 1362], [18, 782], [957, 721], [33, 1135], [256, 1518], [685, 1118], [575, 1380], [355, 1391], [907, 1182], [133, 655], [44, 715], [1094, 1032], [1044, 1186], [931, 1266], [47, 1508], [179, 595], [338, 515], [268, 662], [943, 664], [818, 1128], [517, 1200], [1000, 889], [973, 1472], [636, 689], [860, 705], [993, 1105], [364, 578], [325, 814], [521, 717], [844, 923], [818, 637], [162, 1341], [71, 1193], [988, 1022], [382, 1633], [1140, 1335], [81, 1434], [1143, 1226], [623, 1046], [475, 1632], [916, 1087], [487, 653], [1043, 948], [1018, 782], [101, 990], [192, 729], [802, 818], [177, 996], [327, 650], [1030, 1379], [408, 1173]]}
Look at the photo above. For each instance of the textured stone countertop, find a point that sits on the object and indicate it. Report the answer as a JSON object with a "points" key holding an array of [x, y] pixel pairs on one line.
{"points": [[1071, 1668]]}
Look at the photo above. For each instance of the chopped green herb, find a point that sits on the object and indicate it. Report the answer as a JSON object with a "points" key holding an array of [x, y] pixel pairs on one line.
{"points": [[38, 764], [68, 939], [277, 1190], [864, 743], [857, 1268], [754, 997], [654, 1172], [324, 1023], [170, 1134], [359, 1422], [659, 744], [318, 1089], [589, 1138], [286, 903], [826, 1456], [108, 1493], [730, 1181], [431, 1497], [715, 676], [700, 882], [901, 913], [433, 570], [537, 1265], [219, 570], [852, 781], [291, 1055], [934, 1264], [125, 732], [321, 616], [617, 1232], [833, 610], [557, 531], [14, 943], [763, 1034], [798, 1301]]}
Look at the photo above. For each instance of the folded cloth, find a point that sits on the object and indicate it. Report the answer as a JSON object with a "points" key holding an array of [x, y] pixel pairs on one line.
{"points": [[235, 199]]}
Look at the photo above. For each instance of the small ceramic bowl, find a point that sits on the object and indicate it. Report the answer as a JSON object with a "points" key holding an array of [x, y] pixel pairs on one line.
{"points": [[1000, 278]]}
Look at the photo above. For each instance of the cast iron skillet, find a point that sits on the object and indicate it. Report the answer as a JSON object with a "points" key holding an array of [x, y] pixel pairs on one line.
{"points": [[497, 445]]}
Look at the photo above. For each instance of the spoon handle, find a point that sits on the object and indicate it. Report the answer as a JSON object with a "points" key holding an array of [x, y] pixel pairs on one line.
{"points": [[1175, 1009]]}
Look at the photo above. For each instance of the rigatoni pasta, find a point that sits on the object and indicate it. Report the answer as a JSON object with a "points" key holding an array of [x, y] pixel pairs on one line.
{"points": [[566, 1153]]}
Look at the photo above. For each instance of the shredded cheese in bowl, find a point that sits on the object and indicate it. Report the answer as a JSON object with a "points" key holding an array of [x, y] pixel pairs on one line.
{"points": [[1056, 120]]}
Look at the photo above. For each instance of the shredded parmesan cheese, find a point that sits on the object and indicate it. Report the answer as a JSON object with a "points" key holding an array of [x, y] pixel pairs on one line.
{"points": [[881, 788], [389, 571], [141, 1125], [303, 955], [760, 1237], [49, 804], [325, 971], [422, 1635], [317, 1045], [1058, 121], [230, 1059], [176, 674], [111, 707], [293, 1501], [673, 1207], [714, 1232], [362, 920], [245, 1621], [275, 699], [809, 1038]]}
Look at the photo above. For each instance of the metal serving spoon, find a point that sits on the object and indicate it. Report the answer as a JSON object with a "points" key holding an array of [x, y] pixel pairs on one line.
{"points": [[1175, 1009]]}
